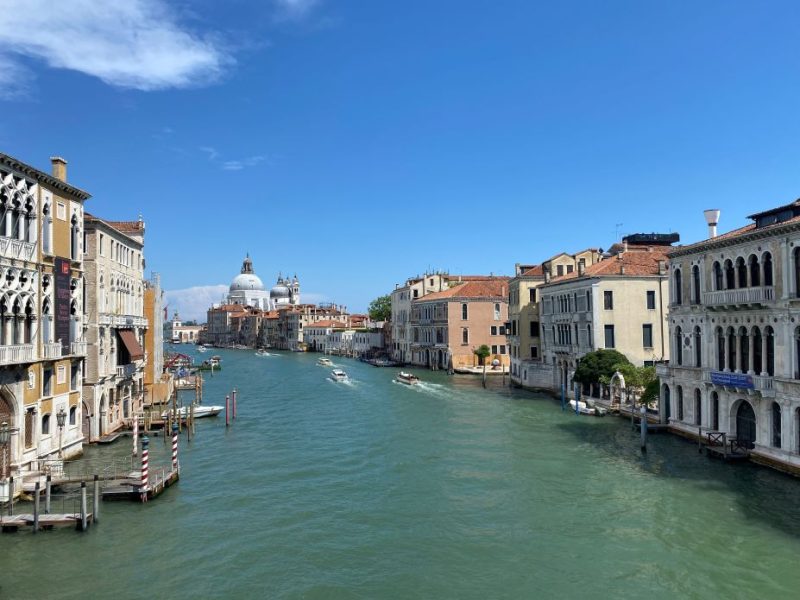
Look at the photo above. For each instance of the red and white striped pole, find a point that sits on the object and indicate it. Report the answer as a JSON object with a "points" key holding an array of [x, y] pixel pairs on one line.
{"points": [[227, 419], [145, 467], [233, 394], [174, 446]]}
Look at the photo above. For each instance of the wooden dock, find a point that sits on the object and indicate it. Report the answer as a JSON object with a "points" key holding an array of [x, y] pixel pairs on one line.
{"points": [[132, 489], [13, 523]]}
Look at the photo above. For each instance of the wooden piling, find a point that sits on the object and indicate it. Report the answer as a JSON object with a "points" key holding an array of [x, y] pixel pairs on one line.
{"points": [[96, 500], [83, 522], [10, 496], [36, 507], [643, 428], [233, 399], [227, 420], [47, 490]]}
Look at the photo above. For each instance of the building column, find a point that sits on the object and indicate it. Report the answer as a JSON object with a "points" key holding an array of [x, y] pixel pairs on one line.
{"points": [[727, 351], [787, 274], [750, 354], [764, 337]]}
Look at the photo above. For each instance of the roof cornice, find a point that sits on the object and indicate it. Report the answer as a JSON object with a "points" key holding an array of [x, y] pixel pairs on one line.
{"points": [[725, 242], [41, 176]]}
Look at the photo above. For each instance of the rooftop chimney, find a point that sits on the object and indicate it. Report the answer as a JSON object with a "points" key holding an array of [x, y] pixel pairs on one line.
{"points": [[59, 168], [712, 218], [662, 267], [581, 268], [547, 275]]}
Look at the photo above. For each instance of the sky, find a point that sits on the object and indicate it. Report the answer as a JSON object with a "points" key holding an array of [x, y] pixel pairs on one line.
{"points": [[357, 144]]}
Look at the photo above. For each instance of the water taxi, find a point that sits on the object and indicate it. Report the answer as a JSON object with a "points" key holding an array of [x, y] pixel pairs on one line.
{"points": [[407, 378], [212, 364], [262, 352], [338, 375], [198, 412], [325, 362], [201, 348]]}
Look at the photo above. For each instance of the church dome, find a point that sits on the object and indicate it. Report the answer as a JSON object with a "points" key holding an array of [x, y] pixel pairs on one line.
{"points": [[246, 281], [280, 291]]}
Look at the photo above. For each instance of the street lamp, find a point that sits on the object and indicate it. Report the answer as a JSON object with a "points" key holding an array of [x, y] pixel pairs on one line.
{"points": [[61, 418]]}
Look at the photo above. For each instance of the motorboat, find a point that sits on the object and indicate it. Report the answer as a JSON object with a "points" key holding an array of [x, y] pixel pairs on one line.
{"points": [[212, 364], [201, 348], [585, 409], [338, 375], [198, 412], [262, 352], [407, 378], [325, 362]]}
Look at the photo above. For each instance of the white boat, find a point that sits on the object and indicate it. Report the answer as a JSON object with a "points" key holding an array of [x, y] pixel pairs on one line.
{"points": [[338, 375], [200, 411], [585, 409], [325, 362], [407, 378], [201, 348], [262, 352]]}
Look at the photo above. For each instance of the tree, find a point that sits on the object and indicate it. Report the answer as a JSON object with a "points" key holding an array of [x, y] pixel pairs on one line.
{"points": [[599, 366], [482, 352], [380, 309], [650, 393]]}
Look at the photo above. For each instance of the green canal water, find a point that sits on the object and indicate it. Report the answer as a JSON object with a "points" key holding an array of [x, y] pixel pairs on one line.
{"points": [[378, 490]]}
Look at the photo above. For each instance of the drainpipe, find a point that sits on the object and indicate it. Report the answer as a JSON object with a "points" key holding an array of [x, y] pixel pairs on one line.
{"points": [[661, 320]]}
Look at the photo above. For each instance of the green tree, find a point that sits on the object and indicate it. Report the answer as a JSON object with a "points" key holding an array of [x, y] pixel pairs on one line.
{"points": [[599, 366], [380, 309], [482, 352], [650, 393]]}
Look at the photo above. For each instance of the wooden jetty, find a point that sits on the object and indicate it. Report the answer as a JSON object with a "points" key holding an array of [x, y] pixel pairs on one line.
{"points": [[43, 522]]}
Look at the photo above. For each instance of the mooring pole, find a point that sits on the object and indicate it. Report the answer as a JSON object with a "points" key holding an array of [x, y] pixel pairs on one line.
{"points": [[96, 500], [227, 419], [643, 428], [10, 496], [83, 506], [145, 467], [233, 399], [36, 507], [174, 447], [47, 489]]}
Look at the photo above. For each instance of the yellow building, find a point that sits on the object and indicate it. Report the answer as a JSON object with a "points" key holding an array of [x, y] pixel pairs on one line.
{"points": [[42, 347], [158, 385]]}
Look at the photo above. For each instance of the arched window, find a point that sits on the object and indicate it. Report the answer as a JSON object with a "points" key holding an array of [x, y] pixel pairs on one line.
{"points": [[695, 285], [766, 266], [741, 273], [73, 240], [776, 425], [758, 365], [730, 275], [698, 349], [667, 401], [678, 287], [680, 403], [744, 350], [797, 354], [720, 349], [698, 410], [796, 254], [731, 350], [45, 424], [72, 415], [770, 358], [46, 226], [719, 284], [755, 271], [678, 346], [714, 411]]}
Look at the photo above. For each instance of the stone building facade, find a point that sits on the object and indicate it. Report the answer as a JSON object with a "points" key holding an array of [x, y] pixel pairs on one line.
{"points": [[113, 386]]}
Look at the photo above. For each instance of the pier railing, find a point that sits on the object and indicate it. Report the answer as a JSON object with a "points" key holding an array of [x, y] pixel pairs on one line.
{"points": [[82, 470]]}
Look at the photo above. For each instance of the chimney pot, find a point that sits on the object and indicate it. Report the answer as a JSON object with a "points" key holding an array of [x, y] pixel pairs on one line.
{"points": [[622, 269], [712, 219], [59, 166]]}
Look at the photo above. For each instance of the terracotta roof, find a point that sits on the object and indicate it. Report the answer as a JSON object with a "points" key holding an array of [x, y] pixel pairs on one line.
{"points": [[230, 308], [326, 323], [733, 234], [127, 226], [536, 271], [494, 287], [638, 262]]}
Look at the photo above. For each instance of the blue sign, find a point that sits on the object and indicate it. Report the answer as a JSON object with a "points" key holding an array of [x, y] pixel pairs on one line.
{"points": [[737, 380]]}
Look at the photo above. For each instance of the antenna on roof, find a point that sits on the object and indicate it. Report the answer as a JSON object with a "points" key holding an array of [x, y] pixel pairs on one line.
{"points": [[616, 231]]}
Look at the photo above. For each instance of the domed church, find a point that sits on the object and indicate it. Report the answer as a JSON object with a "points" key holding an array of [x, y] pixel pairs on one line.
{"points": [[248, 290]]}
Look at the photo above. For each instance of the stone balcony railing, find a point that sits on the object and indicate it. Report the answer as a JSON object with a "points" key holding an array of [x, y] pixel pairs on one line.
{"points": [[77, 348], [752, 295], [121, 320], [51, 350], [16, 249], [742, 381], [17, 354], [105, 319]]}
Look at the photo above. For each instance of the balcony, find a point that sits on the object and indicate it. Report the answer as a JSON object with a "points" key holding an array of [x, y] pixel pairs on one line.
{"points": [[741, 381], [126, 371], [77, 348], [122, 320], [752, 295], [105, 320], [16, 249], [51, 351], [17, 354]]}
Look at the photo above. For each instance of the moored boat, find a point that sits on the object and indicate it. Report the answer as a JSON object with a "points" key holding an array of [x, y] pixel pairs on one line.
{"points": [[406, 378], [212, 364], [200, 411], [585, 409], [325, 362], [338, 375], [262, 352]]}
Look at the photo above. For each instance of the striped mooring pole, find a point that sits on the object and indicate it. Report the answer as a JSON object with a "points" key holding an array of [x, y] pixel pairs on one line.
{"points": [[145, 467], [174, 446]]}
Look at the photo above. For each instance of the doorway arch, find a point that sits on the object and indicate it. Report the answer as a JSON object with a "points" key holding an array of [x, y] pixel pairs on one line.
{"points": [[745, 424]]}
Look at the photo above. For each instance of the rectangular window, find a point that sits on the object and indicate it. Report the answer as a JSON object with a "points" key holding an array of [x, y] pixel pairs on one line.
{"points": [[100, 245], [61, 211], [608, 300], [74, 377], [493, 329], [647, 335], [502, 349], [609, 331], [570, 268], [532, 294], [534, 328], [61, 376], [416, 293], [502, 330], [47, 382], [465, 336], [534, 352], [560, 270], [464, 311], [494, 349], [651, 300]]}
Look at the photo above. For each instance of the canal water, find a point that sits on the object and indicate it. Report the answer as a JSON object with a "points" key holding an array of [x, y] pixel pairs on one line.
{"points": [[373, 489]]}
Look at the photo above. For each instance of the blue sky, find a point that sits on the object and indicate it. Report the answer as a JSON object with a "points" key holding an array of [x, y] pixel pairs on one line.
{"points": [[359, 143]]}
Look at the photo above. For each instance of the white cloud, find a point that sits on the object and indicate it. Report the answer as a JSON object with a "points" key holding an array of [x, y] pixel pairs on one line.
{"points": [[238, 165], [131, 44], [192, 303], [294, 9]]}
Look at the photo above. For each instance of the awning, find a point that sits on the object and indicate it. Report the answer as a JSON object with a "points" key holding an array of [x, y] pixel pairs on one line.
{"points": [[131, 344]]}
